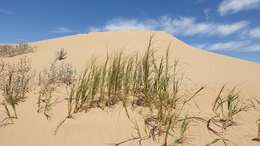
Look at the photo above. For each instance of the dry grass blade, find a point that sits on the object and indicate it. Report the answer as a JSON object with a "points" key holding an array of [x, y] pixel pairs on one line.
{"points": [[258, 132], [61, 54], [224, 141]]}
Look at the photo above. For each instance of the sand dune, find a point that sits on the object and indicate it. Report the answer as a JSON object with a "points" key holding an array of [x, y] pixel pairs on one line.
{"points": [[98, 128]]}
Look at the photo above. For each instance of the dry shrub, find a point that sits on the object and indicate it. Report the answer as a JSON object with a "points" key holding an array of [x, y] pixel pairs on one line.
{"points": [[14, 50], [59, 74], [14, 86]]}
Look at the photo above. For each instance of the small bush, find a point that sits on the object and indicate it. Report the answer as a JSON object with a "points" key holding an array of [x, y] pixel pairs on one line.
{"points": [[14, 85], [14, 50]]}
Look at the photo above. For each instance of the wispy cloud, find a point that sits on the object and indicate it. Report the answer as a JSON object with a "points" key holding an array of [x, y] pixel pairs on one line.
{"points": [[251, 33], [185, 26], [254, 33], [61, 30], [233, 6], [240, 46], [5, 11], [188, 26], [253, 48], [232, 45], [122, 24]]}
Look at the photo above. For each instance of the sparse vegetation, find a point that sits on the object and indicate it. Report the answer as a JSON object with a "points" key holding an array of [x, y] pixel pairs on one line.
{"points": [[14, 85], [149, 82], [225, 108], [145, 83], [59, 74], [14, 50]]}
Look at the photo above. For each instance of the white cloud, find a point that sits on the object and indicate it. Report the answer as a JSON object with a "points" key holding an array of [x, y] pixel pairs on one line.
{"points": [[61, 30], [254, 33], [185, 26], [188, 26], [227, 29], [232, 45], [201, 46], [253, 48], [232, 6], [5, 11], [123, 24], [240, 46]]}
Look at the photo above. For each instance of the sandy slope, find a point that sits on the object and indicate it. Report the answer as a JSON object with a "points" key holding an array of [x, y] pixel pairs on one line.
{"points": [[101, 128]]}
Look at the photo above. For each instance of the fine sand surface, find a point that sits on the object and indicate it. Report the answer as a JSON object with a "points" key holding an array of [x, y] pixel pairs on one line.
{"points": [[99, 128]]}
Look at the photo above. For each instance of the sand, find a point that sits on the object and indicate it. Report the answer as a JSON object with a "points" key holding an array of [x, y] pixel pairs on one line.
{"points": [[98, 128]]}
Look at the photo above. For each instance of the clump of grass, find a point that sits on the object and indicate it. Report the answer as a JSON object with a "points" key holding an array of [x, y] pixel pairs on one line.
{"points": [[225, 108], [57, 75], [159, 90], [98, 86], [151, 83], [14, 85], [61, 54], [14, 50]]}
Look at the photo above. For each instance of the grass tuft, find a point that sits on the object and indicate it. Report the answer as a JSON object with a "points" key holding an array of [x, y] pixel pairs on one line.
{"points": [[150, 81], [61, 55]]}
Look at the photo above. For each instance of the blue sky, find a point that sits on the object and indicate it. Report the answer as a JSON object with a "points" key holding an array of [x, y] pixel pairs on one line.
{"points": [[230, 27]]}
